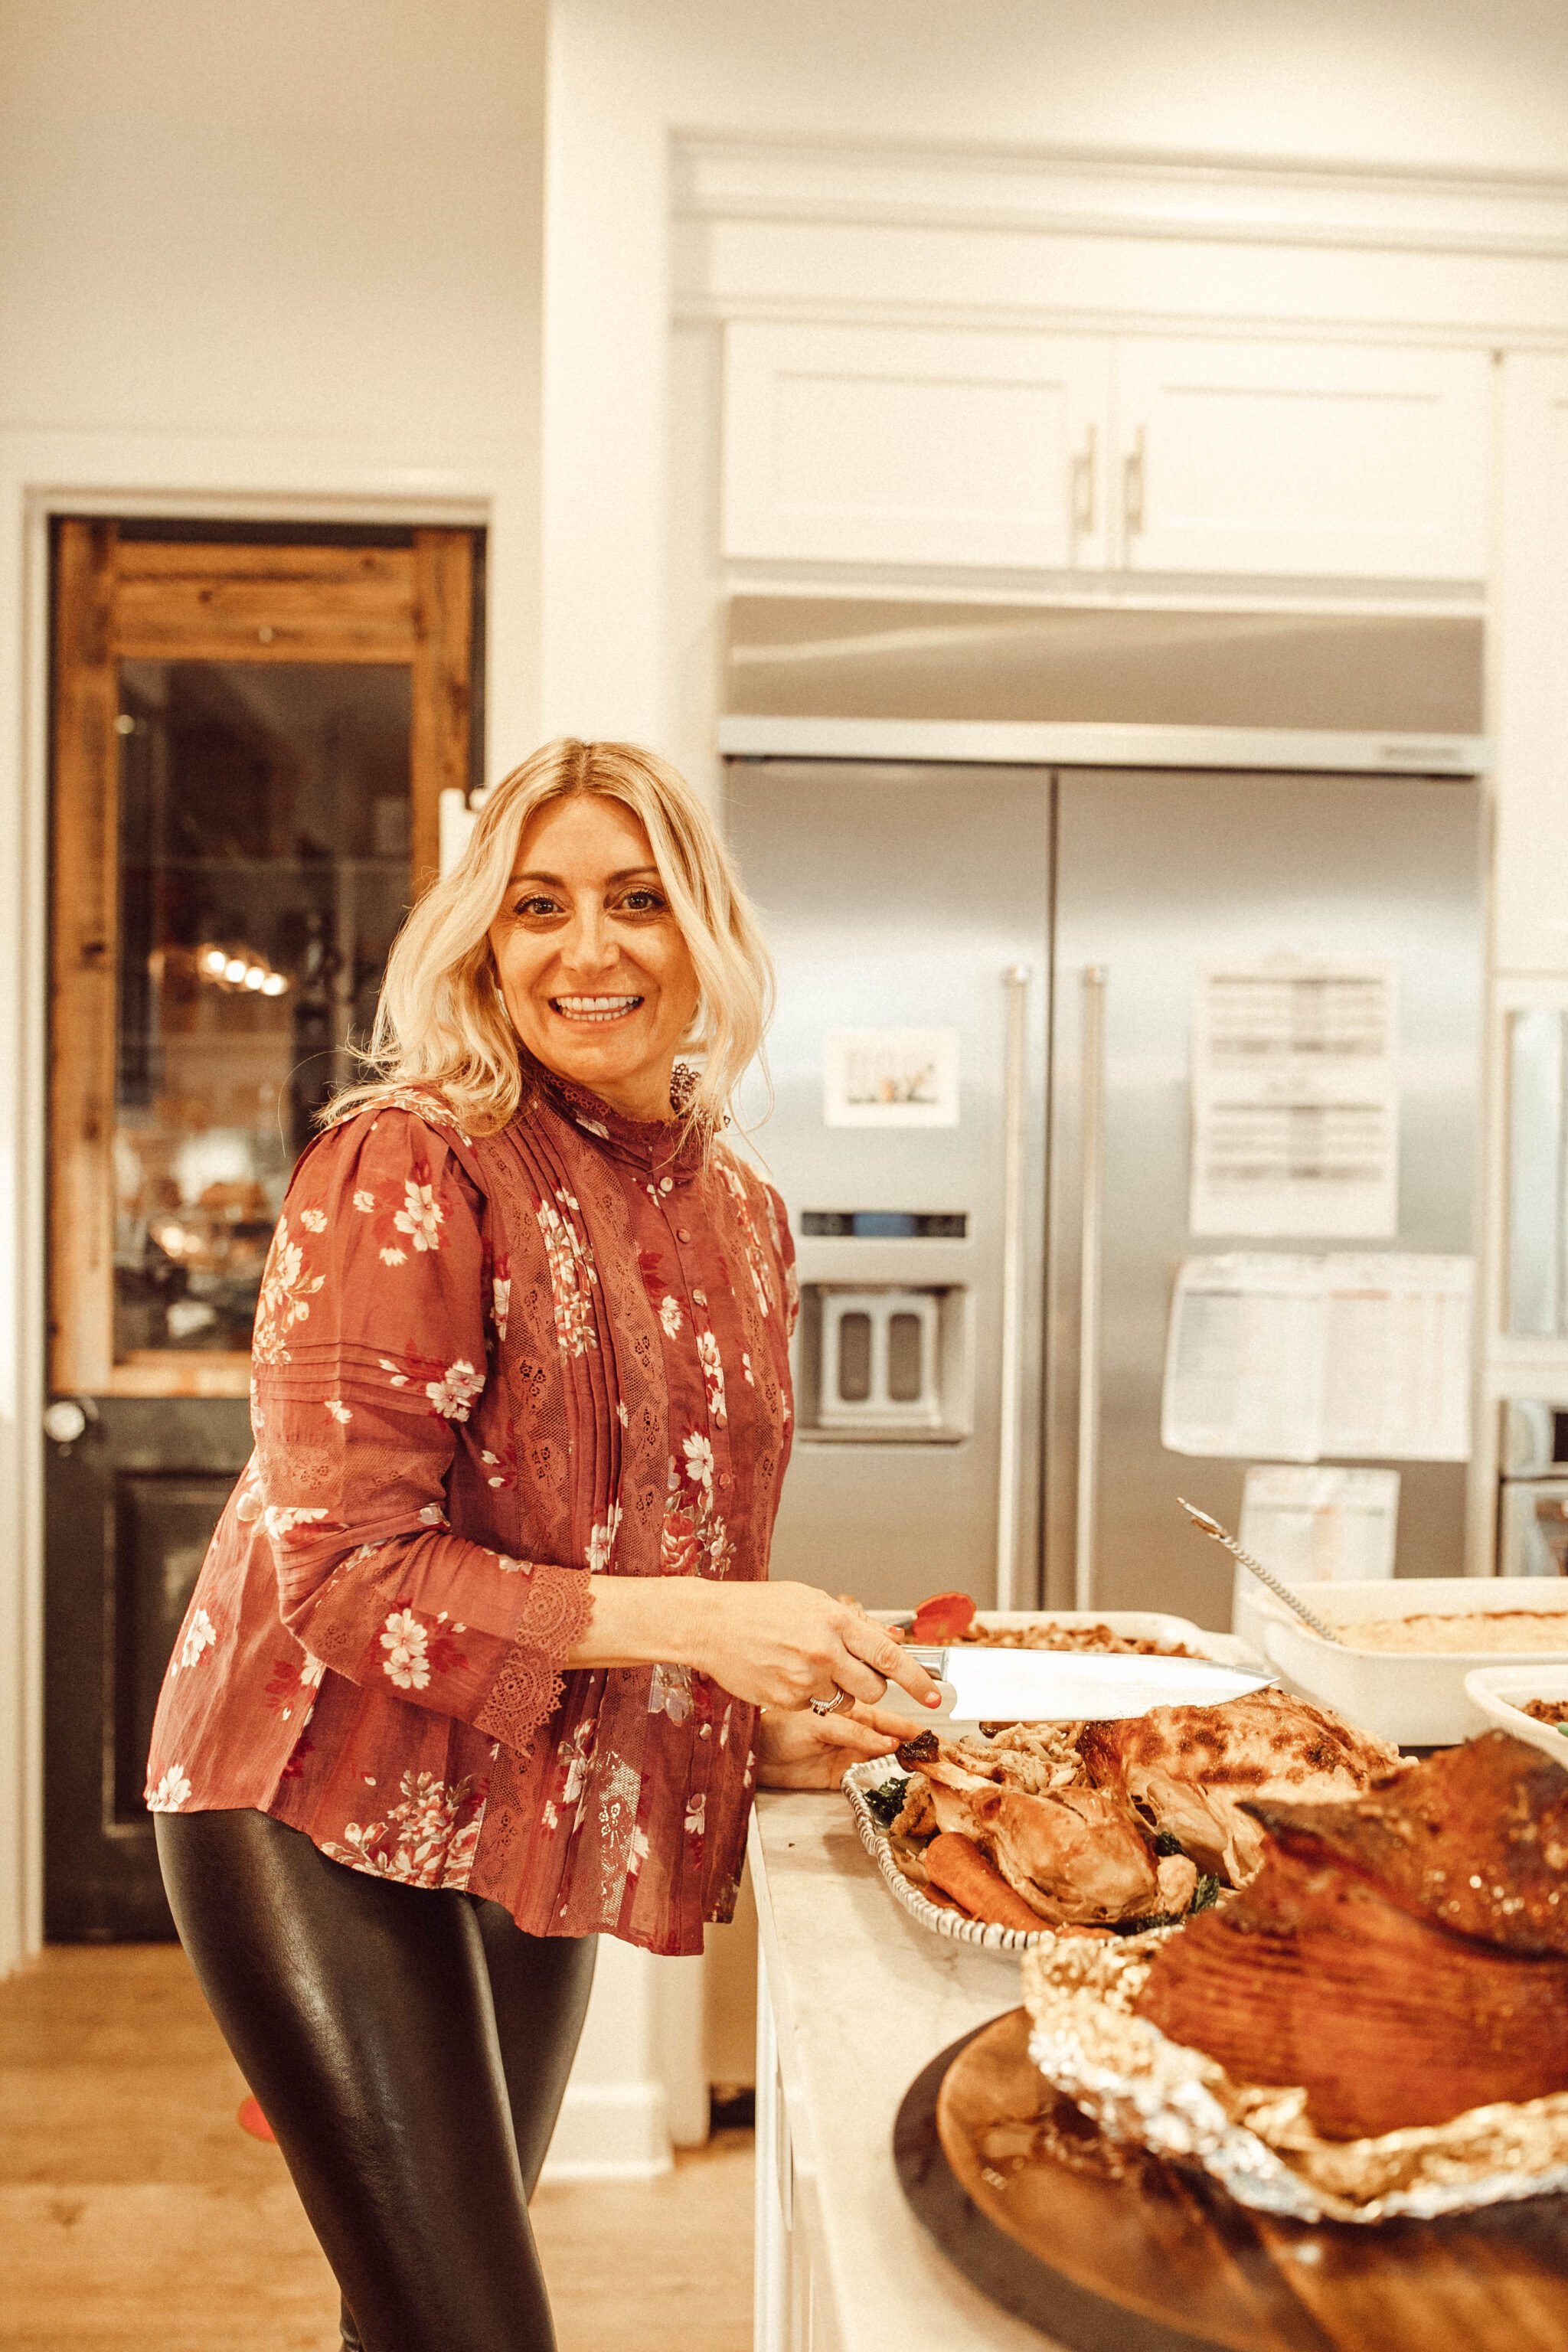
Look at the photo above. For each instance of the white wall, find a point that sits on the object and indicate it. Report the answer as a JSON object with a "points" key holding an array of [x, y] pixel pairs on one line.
{"points": [[294, 245], [1429, 84], [314, 217]]}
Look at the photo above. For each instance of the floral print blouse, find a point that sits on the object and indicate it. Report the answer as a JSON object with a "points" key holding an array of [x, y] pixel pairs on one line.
{"points": [[484, 1367]]}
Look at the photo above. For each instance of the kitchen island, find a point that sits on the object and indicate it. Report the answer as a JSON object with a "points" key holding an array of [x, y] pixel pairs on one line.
{"points": [[853, 1999]]}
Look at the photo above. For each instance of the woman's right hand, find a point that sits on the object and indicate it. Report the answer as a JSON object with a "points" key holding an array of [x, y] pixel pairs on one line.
{"points": [[785, 1645], [771, 1645]]}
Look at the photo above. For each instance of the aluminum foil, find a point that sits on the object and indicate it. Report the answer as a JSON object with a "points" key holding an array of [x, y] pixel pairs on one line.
{"points": [[1256, 2139]]}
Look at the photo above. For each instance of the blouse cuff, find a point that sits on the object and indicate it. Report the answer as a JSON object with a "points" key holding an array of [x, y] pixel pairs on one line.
{"points": [[528, 1683]]}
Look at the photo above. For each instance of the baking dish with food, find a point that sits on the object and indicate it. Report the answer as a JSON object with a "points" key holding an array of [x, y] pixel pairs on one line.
{"points": [[1414, 1696], [1501, 1694], [1033, 1627]]}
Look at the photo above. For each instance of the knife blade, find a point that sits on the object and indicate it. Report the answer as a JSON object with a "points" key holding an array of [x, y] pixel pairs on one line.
{"points": [[991, 1686]]}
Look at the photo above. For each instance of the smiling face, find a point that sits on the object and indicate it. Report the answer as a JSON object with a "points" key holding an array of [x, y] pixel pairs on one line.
{"points": [[594, 969]]}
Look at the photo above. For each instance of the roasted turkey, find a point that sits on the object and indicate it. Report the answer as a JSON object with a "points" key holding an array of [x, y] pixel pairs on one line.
{"points": [[1073, 1853], [1081, 1819], [1193, 1770]]}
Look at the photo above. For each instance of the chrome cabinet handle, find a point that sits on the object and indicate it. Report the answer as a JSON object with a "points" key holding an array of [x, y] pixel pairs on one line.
{"points": [[1133, 483], [1085, 475], [1089, 1207], [1015, 1113]]}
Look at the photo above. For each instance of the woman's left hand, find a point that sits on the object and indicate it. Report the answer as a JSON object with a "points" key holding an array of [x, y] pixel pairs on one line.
{"points": [[797, 1748]]}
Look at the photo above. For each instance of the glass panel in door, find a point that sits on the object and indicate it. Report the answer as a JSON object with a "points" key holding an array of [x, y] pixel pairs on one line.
{"points": [[264, 847]]}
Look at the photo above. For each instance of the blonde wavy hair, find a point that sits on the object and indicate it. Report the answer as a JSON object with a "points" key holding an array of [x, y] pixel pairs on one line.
{"points": [[441, 1025]]}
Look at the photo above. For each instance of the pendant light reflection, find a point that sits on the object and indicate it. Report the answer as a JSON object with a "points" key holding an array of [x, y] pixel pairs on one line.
{"points": [[240, 970]]}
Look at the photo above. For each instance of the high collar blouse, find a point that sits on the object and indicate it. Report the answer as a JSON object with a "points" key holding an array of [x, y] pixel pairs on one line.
{"points": [[485, 1366]]}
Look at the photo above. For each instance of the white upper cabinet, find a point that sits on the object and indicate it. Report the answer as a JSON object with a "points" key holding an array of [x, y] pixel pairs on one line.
{"points": [[1531, 668], [1158, 454], [871, 445], [1303, 460]]}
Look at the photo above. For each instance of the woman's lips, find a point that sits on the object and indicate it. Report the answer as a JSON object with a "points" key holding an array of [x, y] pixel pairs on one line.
{"points": [[598, 1011]]}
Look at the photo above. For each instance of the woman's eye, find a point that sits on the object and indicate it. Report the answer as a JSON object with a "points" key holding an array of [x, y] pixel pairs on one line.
{"points": [[643, 902], [537, 905]]}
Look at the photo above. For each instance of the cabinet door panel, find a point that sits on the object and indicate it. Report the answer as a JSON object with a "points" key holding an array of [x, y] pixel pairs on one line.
{"points": [[1307, 461], [1531, 921], [886, 446]]}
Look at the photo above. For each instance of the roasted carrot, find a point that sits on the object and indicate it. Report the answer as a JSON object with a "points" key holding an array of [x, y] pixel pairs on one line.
{"points": [[955, 1864]]}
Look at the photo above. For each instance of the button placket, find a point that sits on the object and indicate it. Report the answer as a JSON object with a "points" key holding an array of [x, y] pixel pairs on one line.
{"points": [[717, 1431]]}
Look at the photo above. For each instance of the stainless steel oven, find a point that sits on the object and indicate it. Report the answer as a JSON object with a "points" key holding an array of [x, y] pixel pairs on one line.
{"points": [[1532, 1529]]}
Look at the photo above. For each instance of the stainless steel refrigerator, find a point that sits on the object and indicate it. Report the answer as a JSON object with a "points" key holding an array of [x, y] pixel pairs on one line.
{"points": [[982, 1127]]}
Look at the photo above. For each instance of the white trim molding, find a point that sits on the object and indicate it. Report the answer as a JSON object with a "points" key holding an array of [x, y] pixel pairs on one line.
{"points": [[609, 2131], [1066, 194]]}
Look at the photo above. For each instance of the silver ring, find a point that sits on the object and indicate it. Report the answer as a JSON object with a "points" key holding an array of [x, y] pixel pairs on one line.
{"points": [[831, 1705]]}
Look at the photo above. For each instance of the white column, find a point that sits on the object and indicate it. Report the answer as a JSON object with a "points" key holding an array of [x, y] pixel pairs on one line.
{"points": [[640, 2082]]}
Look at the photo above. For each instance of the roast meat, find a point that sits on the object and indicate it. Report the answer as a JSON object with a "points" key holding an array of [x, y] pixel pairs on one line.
{"points": [[1195, 1771], [1404, 1958], [1073, 1853]]}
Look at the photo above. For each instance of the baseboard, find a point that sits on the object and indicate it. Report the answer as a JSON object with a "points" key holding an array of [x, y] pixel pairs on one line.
{"points": [[610, 2131]]}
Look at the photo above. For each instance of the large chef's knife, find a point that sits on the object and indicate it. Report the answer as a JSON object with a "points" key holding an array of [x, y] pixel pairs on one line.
{"points": [[993, 1685]]}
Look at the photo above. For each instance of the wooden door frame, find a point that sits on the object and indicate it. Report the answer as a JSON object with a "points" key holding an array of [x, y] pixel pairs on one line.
{"points": [[175, 479], [208, 600]]}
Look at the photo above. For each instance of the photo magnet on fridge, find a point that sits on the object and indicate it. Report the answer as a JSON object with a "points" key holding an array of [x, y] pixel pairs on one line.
{"points": [[890, 1077]]}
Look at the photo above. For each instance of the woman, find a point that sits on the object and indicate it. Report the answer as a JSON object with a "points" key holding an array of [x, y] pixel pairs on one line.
{"points": [[481, 1662]]}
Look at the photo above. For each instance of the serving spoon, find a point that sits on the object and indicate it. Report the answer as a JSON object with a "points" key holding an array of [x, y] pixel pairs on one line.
{"points": [[1266, 1576]]}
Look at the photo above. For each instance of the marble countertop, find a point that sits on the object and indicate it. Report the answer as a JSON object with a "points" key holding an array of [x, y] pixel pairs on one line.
{"points": [[863, 1998]]}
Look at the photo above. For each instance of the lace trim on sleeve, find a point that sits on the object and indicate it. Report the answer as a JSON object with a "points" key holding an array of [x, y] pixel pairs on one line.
{"points": [[526, 1688]]}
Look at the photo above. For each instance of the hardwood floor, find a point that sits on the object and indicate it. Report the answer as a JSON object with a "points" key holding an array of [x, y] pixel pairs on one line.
{"points": [[134, 2214]]}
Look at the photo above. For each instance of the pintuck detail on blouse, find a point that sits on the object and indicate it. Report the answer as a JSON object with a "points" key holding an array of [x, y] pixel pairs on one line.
{"points": [[485, 1366]]}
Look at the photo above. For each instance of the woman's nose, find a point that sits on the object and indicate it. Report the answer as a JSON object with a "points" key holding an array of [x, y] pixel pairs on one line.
{"points": [[589, 947]]}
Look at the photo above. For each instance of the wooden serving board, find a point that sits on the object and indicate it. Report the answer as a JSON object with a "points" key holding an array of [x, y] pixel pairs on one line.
{"points": [[1108, 2249]]}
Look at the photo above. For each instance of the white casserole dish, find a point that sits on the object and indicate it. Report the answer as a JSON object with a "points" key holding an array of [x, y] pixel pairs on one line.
{"points": [[1497, 1693], [1414, 1696]]}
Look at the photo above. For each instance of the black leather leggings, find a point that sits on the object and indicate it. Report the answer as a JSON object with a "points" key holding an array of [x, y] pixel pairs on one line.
{"points": [[409, 2049]]}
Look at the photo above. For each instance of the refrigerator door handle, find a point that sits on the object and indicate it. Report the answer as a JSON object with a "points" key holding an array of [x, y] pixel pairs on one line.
{"points": [[1090, 1222], [1014, 1116]]}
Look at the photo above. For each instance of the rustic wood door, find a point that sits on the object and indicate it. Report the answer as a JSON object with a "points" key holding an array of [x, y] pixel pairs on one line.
{"points": [[250, 736]]}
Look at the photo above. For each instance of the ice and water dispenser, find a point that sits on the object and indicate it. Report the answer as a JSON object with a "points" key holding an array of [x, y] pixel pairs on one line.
{"points": [[877, 1359], [883, 1360]]}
